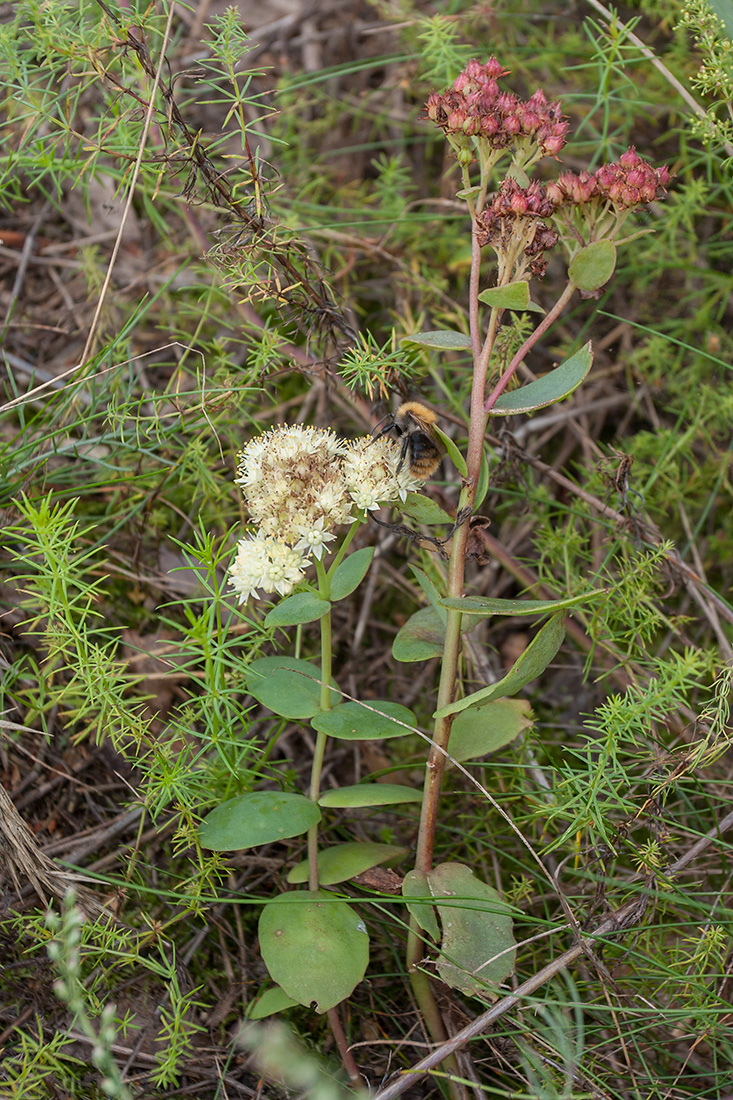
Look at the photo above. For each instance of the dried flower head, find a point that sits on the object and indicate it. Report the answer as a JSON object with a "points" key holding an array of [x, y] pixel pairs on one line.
{"points": [[512, 224], [625, 183], [589, 207], [475, 113]]}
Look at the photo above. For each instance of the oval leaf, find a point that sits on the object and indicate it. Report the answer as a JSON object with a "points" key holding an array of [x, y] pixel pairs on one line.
{"points": [[287, 686], [488, 727], [724, 11], [344, 861], [271, 1001], [423, 510], [314, 946], [535, 659], [452, 451], [552, 387], [349, 574], [415, 885], [509, 296], [516, 172], [259, 817], [354, 722], [303, 607], [486, 605], [465, 193], [439, 338], [478, 946], [421, 637], [594, 265], [482, 487], [370, 794], [430, 590]]}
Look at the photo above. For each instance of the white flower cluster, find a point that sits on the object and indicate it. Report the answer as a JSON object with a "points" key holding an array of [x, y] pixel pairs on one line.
{"points": [[299, 483], [370, 473]]}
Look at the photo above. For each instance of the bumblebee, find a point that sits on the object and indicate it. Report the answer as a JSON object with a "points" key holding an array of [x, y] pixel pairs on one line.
{"points": [[414, 425]]}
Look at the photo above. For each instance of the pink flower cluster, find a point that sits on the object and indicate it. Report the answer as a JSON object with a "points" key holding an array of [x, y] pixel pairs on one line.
{"points": [[515, 214], [474, 106], [627, 182]]}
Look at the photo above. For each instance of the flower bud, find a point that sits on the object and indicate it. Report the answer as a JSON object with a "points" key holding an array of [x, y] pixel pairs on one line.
{"points": [[494, 70], [519, 203], [630, 159]]}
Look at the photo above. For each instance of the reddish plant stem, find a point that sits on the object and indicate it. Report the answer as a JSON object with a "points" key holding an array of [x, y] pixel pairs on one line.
{"points": [[441, 733], [456, 570], [476, 430], [435, 766], [346, 1056], [530, 342]]}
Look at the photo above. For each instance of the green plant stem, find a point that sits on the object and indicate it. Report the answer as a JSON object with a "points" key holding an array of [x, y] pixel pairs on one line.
{"points": [[476, 431], [339, 556], [324, 591]]}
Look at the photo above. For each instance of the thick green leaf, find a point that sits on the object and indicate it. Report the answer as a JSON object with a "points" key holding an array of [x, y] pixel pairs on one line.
{"points": [[552, 387], [594, 265], [465, 193], [303, 607], [415, 885], [421, 637], [287, 686], [344, 861], [259, 817], [354, 722], [370, 794], [483, 481], [516, 172], [351, 572], [453, 453], [439, 338], [724, 11], [314, 946], [510, 296], [429, 589], [478, 948], [487, 727], [535, 659], [423, 510], [268, 1003], [486, 605]]}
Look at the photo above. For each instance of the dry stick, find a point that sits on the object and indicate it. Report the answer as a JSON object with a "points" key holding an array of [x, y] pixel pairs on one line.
{"points": [[649, 532], [131, 189], [681, 90], [24, 260], [622, 919]]}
